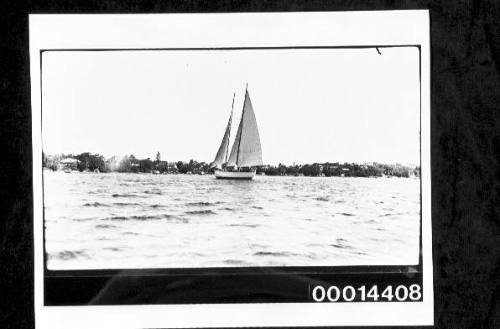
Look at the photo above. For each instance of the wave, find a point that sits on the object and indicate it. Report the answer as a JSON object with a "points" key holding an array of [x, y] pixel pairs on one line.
{"points": [[84, 219], [126, 204], [70, 254], [346, 214], [274, 253], [322, 198], [394, 214], [257, 245], [155, 206], [385, 215], [257, 207], [95, 204], [201, 204], [158, 192], [244, 225], [98, 191], [146, 218], [113, 249], [235, 262], [179, 218], [136, 217], [125, 195], [105, 226], [340, 246], [200, 212], [314, 245]]}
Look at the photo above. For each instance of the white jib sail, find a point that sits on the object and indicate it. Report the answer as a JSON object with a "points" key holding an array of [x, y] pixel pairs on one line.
{"points": [[221, 155], [246, 150]]}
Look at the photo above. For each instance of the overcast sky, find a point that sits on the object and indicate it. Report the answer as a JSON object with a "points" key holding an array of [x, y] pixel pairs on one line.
{"points": [[312, 105]]}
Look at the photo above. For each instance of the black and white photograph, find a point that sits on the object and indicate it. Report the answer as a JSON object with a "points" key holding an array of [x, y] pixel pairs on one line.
{"points": [[214, 158], [165, 158]]}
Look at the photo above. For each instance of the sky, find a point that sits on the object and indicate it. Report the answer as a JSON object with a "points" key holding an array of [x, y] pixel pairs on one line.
{"points": [[311, 105]]}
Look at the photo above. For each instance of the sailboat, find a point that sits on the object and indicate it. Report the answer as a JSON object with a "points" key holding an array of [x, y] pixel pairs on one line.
{"points": [[246, 152]]}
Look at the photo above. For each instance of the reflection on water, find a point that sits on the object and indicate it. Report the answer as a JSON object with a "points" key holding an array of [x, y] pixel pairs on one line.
{"points": [[99, 221]]}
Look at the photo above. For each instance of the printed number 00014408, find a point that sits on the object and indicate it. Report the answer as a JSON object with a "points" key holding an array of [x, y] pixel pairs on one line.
{"points": [[400, 293]]}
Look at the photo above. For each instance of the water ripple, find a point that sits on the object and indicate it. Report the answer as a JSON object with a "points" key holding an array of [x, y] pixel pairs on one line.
{"points": [[200, 212]]}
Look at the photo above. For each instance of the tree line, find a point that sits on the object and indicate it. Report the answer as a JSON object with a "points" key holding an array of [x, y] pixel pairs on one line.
{"points": [[342, 169], [130, 164], [126, 164]]}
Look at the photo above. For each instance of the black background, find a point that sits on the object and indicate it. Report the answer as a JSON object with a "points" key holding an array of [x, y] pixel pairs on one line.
{"points": [[465, 142]]}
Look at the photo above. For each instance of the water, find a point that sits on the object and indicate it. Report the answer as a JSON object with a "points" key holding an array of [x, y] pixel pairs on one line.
{"points": [[104, 221]]}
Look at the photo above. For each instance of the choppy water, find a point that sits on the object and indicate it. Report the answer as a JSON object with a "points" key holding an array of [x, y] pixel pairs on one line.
{"points": [[99, 221]]}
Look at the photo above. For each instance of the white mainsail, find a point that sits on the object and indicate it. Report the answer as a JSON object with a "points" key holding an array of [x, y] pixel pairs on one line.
{"points": [[221, 156], [231, 162], [246, 150]]}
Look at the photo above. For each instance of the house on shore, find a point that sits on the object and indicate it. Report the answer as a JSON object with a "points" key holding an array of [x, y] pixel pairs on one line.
{"points": [[172, 168], [68, 164]]}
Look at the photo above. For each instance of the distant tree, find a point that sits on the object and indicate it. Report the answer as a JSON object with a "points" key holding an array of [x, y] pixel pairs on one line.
{"points": [[327, 169], [272, 171], [192, 165], [125, 165], [205, 166], [88, 161], [157, 162], [112, 164], [182, 167], [281, 169], [145, 165], [161, 166], [311, 170], [52, 162], [316, 169], [134, 164]]}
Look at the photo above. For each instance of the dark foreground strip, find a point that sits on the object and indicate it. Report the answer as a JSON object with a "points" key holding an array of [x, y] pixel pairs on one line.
{"points": [[265, 285]]}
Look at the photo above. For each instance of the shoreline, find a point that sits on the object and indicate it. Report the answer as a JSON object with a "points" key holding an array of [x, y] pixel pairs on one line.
{"points": [[211, 174]]}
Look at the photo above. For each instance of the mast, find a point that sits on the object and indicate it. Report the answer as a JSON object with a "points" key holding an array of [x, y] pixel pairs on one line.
{"points": [[229, 131]]}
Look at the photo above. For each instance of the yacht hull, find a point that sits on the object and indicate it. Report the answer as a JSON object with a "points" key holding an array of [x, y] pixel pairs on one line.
{"points": [[219, 174]]}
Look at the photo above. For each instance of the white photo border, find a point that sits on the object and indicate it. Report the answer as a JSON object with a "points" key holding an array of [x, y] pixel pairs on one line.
{"points": [[313, 29]]}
